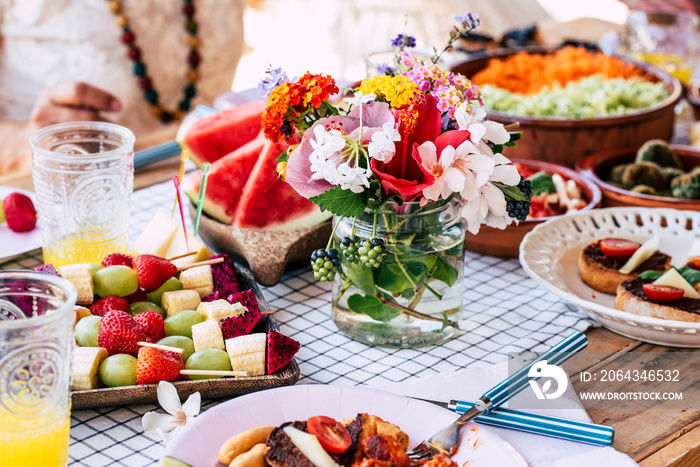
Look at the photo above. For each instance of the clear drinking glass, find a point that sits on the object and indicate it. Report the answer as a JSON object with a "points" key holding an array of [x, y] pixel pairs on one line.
{"points": [[37, 313], [83, 178], [668, 41]]}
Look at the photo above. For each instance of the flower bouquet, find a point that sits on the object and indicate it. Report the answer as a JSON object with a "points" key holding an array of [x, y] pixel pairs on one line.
{"points": [[405, 167]]}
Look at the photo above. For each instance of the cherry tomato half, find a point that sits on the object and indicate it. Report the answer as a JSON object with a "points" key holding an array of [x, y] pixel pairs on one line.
{"points": [[662, 293], [333, 436], [694, 262], [618, 247]]}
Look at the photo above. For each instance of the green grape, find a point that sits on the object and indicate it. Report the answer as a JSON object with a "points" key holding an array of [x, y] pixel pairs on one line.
{"points": [[170, 285], [115, 280], [180, 324], [86, 331], [139, 307], [118, 370], [181, 342], [208, 359], [95, 267]]}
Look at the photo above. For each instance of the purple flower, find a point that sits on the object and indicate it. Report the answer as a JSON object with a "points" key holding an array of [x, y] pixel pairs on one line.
{"points": [[386, 69], [402, 41], [272, 79], [468, 20]]}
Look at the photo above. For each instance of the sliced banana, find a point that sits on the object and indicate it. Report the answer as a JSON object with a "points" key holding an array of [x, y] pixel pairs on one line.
{"points": [[220, 309], [207, 335], [179, 300], [247, 353], [80, 275], [86, 365]]}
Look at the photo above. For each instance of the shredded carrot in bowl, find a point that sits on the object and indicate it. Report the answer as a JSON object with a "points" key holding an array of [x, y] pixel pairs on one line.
{"points": [[529, 73]]}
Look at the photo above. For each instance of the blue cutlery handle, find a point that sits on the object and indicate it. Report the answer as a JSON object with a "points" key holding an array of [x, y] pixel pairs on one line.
{"points": [[520, 379], [582, 432]]}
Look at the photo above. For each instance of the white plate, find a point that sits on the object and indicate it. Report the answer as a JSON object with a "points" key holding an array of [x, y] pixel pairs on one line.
{"points": [[198, 444], [549, 254], [13, 244]]}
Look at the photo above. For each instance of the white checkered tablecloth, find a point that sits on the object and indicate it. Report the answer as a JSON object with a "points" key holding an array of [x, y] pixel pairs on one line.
{"points": [[506, 312]]}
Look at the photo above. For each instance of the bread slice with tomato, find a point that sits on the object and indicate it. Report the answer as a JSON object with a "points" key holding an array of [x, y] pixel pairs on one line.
{"points": [[670, 296], [607, 262]]}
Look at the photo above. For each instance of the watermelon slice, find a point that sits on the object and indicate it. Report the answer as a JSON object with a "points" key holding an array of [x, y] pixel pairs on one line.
{"points": [[212, 137], [270, 203], [226, 180]]}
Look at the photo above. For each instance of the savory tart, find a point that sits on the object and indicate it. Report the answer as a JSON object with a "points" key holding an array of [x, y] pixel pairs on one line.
{"points": [[668, 296], [607, 262]]}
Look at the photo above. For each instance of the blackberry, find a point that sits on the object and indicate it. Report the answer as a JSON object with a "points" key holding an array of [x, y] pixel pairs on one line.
{"points": [[372, 252], [325, 263], [525, 186], [518, 209], [348, 247]]}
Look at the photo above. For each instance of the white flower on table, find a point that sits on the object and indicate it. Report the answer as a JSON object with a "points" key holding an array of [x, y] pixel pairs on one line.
{"points": [[354, 179], [448, 178], [166, 425]]}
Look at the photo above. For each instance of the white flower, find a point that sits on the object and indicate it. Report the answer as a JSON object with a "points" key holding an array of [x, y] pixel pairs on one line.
{"points": [[478, 128], [448, 179], [382, 146], [326, 145], [360, 98], [476, 167], [354, 179], [489, 206], [179, 415]]}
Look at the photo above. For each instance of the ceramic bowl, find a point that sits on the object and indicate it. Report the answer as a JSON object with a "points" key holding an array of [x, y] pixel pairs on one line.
{"points": [[564, 141], [267, 252], [597, 168], [506, 242]]}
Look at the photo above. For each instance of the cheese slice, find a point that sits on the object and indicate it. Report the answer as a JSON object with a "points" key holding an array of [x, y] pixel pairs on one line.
{"points": [[673, 278], [642, 254], [310, 447]]}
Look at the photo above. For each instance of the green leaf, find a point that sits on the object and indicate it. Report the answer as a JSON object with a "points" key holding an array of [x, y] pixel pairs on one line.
{"points": [[497, 148], [652, 275], [511, 192], [541, 183], [372, 307], [408, 294], [515, 136], [690, 274], [445, 272], [342, 202], [362, 278], [283, 157], [389, 276]]}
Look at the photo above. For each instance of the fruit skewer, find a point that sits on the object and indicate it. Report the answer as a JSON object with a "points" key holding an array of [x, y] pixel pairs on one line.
{"points": [[165, 348], [184, 255], [208, 262]]}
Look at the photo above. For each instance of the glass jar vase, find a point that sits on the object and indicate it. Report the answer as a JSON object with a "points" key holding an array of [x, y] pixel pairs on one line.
{"points": [[413, 297]]}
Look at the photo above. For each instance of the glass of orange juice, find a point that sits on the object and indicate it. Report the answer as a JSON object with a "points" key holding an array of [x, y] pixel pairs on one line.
{"points": [[83, 178], [37, 314], [668, 41]]}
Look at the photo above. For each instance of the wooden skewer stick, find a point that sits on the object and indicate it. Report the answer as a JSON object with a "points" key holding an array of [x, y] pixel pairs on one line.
{"points": [[165, 348], [184, 255], [202, 263], [213, 373], [512, 126], [265, 313]]}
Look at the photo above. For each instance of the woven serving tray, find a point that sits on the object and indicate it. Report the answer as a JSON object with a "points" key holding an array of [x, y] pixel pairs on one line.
{"points": [[222, 388]]}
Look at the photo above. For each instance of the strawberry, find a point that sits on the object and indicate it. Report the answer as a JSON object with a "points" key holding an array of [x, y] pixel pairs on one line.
{"points": [[119, 333], [138, 296], [153, 271], [20, 213], [153, 365], [151, 324], [107, 304], [117, 259]]}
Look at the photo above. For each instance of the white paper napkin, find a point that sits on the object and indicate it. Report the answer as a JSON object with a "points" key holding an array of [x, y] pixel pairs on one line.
{"points": [[539, 451]]}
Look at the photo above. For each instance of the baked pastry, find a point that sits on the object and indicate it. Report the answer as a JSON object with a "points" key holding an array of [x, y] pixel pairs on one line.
{"points": [[632, 299], [602, 271]]}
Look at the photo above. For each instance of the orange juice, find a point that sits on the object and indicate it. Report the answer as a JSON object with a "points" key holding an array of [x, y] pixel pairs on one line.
{"points": [[33, 441], [80, 248], [674, 65]]}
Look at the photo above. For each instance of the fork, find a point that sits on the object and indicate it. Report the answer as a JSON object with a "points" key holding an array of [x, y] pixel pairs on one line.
{"points": [[446, 441]]}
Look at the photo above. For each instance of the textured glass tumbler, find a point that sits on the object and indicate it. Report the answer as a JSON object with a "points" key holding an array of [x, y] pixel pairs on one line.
{"points": [[37, 313], [83, 178]]}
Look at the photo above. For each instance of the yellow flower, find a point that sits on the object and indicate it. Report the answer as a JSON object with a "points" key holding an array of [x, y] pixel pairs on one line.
{"points": [[398, 91]]}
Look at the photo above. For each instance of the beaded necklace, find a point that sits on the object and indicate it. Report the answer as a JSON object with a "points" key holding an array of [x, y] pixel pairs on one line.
{"points": [[141, 72]]}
